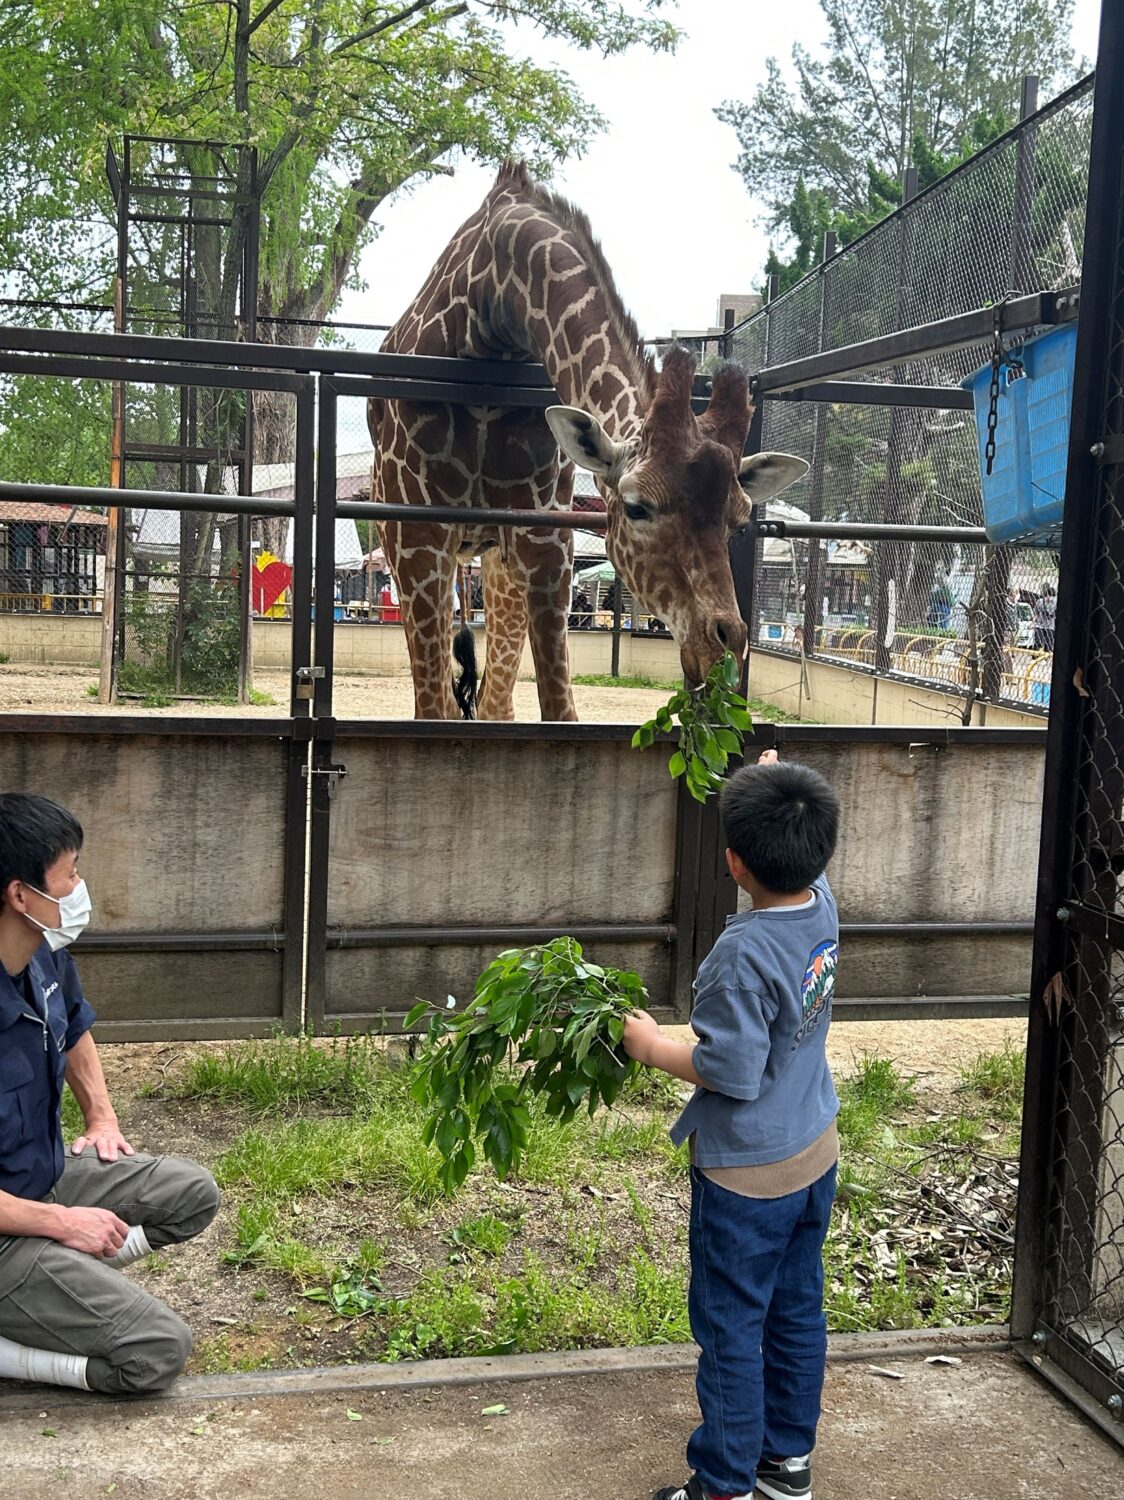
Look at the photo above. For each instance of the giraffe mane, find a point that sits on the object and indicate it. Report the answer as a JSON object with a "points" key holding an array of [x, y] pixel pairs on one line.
{"points": [[514, 177]]}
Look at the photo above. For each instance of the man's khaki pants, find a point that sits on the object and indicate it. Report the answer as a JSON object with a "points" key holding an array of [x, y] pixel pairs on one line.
{"points": [[60, 1299]]}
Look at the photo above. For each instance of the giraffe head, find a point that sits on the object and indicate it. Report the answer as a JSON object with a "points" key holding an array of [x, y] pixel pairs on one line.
{"points": [[675, 492]]}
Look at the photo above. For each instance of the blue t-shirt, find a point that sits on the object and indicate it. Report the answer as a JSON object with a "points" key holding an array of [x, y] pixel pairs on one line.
{"points": [[762, 1008]]}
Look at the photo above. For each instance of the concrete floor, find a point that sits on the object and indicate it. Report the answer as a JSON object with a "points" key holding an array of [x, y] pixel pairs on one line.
{"points": [[612, 1427]]}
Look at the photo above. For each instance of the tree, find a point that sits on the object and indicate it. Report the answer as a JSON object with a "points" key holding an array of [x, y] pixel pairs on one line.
{"points": [[893, 71], [346, 101]]}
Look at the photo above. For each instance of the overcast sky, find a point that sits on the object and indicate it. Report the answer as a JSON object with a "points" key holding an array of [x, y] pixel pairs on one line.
{"points": [[676, 221]]}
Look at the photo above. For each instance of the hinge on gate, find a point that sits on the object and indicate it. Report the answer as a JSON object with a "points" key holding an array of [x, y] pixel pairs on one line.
{"points": [[306, 680], [334, 774]]}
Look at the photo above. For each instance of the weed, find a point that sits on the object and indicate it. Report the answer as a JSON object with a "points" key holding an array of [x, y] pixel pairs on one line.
{"points": [[485, 1234], [996, 1078], [869, 1100], [291, 1071], [93, 690], [73, 1122]]}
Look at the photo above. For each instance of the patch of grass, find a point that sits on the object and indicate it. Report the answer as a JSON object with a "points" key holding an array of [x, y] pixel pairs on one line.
{"points": [[870, 1100], [287, 1072], [260, 699], [484, 1233], [995, 1079], [221, 1356], [92, 689], [5, 659], [72, 1121], [606, 679]]}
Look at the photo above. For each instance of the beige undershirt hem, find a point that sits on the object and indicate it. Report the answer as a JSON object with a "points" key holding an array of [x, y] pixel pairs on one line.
{"points": [[776, 1179]]}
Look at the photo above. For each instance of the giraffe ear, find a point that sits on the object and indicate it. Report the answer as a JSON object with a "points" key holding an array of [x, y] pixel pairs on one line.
{"points": [[765, 474], [583, 440]]}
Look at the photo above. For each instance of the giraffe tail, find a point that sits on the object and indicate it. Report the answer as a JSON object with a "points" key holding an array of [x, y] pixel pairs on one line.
{"points": [[465, 686]]}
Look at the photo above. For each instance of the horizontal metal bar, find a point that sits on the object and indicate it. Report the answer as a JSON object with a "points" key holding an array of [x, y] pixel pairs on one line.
{"points": [[930, 1008], [1094, 922], [871, 393], [514, 936], [220, 1029], [935, 929], [247, 356], [157, 724], [68, 494], [867, 531], [1079, 1379], [151, 453], [395, 388], [181, 942], [1020, 315], [467, 515], [73, 367], [920, 736]]}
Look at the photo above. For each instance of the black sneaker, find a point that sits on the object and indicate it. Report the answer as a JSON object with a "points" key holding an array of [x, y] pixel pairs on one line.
{"points": [[692, 1490], [785, 1478]]}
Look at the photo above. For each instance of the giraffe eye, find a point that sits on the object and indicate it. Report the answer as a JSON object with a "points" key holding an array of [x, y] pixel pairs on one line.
{"points": [[635, 510]]}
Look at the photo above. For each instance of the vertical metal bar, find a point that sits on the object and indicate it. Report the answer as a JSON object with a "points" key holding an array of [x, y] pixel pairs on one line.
{"points": [[1070, 713], [299, 746], [249, 322], [114, 536], [814, 578], [890, 569], [615, 660], [685, 904], [1021, 277], [320, 800]]}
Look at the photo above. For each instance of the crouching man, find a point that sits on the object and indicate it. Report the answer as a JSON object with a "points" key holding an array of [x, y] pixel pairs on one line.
{"points": [[68, 1223]]}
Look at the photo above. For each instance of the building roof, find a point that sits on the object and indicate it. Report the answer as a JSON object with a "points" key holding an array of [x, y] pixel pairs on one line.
{"points": [[49, 515]]}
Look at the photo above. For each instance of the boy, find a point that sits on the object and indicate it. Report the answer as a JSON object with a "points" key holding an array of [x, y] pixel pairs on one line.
{"points": [[763, 1141], [68, 1223]]}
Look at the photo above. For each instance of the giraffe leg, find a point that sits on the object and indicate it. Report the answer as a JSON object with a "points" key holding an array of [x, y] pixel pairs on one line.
{"points": [[424, 565], [505, 615], [546, 570]]}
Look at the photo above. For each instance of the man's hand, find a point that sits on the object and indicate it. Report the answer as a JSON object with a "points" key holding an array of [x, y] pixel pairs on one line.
{"points": [[93, 1231], [105, 1137], [640, 1031], [768, 758]]}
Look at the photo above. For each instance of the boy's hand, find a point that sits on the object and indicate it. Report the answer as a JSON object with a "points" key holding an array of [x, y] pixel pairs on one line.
{"points": [[768, 758], [640, 1031]]}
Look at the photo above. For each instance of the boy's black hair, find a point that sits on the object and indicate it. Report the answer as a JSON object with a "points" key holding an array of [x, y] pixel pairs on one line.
{"points": [[34, 832], [781, 821]]}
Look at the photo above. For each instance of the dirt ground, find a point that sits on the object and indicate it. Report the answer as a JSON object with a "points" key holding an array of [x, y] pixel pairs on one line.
{"points": [[49, 689], [986, 1429]]}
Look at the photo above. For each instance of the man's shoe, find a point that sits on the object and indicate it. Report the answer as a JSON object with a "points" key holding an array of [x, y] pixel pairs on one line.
{"points": [[785, 1479]]}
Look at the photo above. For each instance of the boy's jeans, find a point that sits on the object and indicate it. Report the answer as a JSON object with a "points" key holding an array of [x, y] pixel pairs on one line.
{"points": [[756, 1305]]}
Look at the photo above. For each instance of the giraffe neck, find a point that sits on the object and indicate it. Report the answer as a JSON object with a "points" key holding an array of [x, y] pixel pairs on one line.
{"points": [[544, 291]]}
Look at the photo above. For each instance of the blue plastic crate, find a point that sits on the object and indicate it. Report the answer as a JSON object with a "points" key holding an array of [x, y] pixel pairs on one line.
{"points": [[1024, 495]]}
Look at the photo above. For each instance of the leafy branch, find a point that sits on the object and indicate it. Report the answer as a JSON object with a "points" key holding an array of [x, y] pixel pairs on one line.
{"points": [[552, 1012], [713, 721]]}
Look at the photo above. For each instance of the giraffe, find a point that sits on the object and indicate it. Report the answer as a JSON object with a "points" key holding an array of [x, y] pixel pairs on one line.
{"points": [[524, 279]]}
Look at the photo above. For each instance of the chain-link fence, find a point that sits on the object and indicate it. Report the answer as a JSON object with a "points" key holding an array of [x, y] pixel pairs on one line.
{"points": [[976, 620]]}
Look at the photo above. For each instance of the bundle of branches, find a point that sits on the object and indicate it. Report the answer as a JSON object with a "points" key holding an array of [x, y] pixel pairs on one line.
{"points": [[713, 721], [555, 1015]]}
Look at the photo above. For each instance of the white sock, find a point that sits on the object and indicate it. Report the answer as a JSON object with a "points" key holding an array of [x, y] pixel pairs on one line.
{"points": [[136, 1247], [17, 1362]]}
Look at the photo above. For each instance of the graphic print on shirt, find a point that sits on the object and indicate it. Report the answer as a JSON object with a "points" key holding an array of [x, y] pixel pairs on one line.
{"points": [[817, 988]]}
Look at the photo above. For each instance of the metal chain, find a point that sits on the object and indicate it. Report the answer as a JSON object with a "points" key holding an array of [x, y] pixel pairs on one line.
{"points": [[999, 357]]}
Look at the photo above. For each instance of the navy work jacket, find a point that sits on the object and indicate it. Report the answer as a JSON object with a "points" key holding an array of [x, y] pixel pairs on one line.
{"points": [[34, 1041]]}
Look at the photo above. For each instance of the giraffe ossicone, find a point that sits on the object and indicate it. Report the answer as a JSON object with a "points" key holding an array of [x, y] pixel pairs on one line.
{"points": [[524, 279]]}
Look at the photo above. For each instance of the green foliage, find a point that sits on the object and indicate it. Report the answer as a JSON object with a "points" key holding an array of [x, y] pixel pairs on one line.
{"points": [[996, 1079], [484, 1233], [870, 1099], [209, 651], [712, 722], [554, 1011], [287, 1073], [892, 73]]}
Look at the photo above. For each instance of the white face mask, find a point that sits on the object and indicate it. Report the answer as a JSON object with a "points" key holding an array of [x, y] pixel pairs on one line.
{"points": [[74, 915]]}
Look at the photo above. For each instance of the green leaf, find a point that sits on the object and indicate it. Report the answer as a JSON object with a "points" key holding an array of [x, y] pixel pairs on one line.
{"points": [[412, 1017]]}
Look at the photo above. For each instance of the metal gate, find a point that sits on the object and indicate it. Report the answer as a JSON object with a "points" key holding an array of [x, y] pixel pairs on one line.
{"points": [[1069, 1276]]}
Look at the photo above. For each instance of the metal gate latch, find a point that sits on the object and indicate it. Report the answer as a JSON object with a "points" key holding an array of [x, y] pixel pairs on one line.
{"points": [[306, 677], [334, 773]]}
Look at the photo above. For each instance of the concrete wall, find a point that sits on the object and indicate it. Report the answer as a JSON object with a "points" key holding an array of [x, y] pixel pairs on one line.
{"points": [[69, 640], [831, 694]]}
